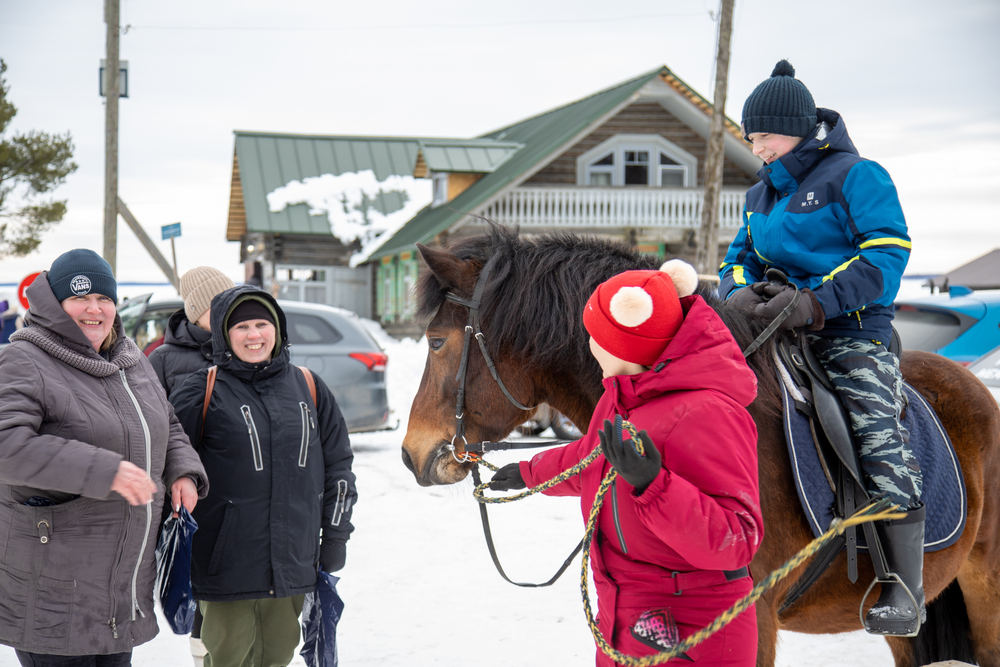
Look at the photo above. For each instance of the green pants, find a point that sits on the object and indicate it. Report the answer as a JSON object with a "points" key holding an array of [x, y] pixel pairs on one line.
{"points": [[251, 633]]}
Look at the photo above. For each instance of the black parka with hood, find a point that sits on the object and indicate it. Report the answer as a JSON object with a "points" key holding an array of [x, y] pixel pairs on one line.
{"points": [[186, 348], [280, 468]]}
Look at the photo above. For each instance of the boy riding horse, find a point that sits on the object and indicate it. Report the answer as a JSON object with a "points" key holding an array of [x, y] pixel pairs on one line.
{"points": [[831, 221]]}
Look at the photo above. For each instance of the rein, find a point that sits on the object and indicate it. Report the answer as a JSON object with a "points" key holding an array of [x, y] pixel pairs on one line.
{"points": [[774, 275]]}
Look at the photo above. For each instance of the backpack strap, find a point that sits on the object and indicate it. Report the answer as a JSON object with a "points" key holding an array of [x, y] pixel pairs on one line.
{"points": [[309, 381], [209, 386]]}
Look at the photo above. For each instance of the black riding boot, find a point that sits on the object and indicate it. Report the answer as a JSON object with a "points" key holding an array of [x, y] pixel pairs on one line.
{"points": [[903, 543]]}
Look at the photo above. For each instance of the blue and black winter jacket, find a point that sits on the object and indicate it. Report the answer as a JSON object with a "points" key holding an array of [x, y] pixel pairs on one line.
{"points": [[832, 222]]}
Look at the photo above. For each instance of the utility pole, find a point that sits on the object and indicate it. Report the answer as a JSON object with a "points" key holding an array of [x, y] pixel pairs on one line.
{"points": [[707, 259], [111, 17]]}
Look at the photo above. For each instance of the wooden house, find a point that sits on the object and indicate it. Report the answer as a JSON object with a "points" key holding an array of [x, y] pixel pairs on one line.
{"points": [[626, 162]]}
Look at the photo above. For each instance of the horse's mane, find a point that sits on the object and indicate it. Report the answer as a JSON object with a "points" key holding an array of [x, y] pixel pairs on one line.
{"points": [[533, 302]]}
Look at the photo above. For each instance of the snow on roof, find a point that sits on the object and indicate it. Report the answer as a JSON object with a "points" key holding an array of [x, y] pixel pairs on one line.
{"points": [[357, 204]]}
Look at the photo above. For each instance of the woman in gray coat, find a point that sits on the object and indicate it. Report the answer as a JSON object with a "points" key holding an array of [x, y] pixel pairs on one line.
{"points": [[88, 444]]}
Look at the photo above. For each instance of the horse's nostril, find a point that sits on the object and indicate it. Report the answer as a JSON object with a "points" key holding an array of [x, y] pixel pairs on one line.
{"points": [[407, 461]]}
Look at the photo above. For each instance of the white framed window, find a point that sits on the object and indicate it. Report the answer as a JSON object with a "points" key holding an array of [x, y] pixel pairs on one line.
{"points": [[637, 159]]}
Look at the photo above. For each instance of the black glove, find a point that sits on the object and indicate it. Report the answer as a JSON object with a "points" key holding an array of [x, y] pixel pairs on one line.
{"points": [[747, 298], [639, 470], [807, 313], [508, 478], [332, 554], [771, 289]]}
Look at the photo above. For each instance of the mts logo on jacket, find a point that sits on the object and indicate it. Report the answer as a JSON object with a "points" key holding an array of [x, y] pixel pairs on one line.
{"points": [[810, 200]]}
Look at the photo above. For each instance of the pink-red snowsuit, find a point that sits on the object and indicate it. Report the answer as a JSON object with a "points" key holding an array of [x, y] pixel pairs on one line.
{"points": [[670, 546]]}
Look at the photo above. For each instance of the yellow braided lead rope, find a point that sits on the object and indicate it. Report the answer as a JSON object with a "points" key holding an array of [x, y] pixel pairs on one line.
{"points": [[879, 510], [558, 479]]}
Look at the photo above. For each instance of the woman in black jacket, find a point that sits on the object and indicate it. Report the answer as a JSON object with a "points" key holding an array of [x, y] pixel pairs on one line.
{"points": [[281, 470]]}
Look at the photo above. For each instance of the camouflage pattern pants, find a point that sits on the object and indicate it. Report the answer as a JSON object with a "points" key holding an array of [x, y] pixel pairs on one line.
{"points": [[869, 384]]}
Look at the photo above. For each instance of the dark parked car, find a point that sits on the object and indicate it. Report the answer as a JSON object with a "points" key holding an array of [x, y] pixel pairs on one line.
{"points": [[330, 342]]}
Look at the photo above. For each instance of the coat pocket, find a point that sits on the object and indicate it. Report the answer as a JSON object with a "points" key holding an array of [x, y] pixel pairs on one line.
{"points": [[43, 623], [13, 604], [306, 432], [258, 456], [226, 530], [55, 600]]}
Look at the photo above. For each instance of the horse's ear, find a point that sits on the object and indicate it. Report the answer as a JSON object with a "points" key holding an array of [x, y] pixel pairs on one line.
{"points": [[450, 271]]}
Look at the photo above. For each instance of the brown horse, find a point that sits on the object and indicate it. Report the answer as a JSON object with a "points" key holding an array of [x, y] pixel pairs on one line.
{"points": [[530, 315]]}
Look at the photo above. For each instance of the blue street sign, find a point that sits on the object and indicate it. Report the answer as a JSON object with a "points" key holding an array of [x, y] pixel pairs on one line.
{"points": [[170, 231]]}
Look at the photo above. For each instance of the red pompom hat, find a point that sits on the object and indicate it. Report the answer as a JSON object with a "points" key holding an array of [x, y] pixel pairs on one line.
{"points": [[636, 314]]}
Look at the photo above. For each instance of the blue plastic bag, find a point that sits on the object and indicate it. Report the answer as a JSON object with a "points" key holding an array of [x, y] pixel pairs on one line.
{"points": [[321, 612], [173, 572]]}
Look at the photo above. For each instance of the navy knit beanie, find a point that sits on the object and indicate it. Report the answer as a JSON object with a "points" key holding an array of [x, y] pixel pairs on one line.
{"points": [[780, 105], [79, 272]]}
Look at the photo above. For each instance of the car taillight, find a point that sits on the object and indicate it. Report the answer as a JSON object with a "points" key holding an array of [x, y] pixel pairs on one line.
{"points": [[373, 361]]}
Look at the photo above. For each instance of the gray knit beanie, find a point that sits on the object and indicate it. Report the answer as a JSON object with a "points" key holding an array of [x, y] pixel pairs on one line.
{"points": [[197, 288], [780, 105], [81, 271]]}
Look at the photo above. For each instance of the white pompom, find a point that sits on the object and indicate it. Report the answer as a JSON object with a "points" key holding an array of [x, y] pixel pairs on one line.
{"points": [[683, 274], [631, 306]]}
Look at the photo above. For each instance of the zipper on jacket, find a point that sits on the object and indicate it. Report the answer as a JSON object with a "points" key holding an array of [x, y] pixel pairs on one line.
{"points": [[306, 421], [149, 508], [114, 574], [857, 313], [614, 512], [258, 456], [341, 506]]}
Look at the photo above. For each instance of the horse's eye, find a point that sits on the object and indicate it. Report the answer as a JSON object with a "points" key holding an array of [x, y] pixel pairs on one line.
{"points": [[435, 343]]}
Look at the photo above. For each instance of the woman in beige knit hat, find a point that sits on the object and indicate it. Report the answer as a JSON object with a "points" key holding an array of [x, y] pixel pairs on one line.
{"points": [[189, 330]]}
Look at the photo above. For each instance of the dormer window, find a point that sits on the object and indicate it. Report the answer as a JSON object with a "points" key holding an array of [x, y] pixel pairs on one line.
{"points": [[629, 159]]}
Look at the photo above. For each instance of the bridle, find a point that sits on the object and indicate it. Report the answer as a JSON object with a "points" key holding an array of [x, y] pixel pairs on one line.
{"points": [[472, 452]]}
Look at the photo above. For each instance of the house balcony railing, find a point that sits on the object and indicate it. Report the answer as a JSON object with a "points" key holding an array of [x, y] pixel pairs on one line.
{"points": [[613, 207]]}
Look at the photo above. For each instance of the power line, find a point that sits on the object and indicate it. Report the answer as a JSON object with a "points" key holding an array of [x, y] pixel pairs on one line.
{"points": [[499, 24]]}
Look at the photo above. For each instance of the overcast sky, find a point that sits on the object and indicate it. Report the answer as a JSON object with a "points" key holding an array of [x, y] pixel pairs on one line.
{"points": [[916, 81]]}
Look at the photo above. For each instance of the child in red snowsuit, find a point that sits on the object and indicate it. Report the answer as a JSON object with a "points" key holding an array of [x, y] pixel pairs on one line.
{"points": [[681, 523]]}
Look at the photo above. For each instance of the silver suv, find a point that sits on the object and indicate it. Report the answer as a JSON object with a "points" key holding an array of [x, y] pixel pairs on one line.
{"points": [[330, 342]]}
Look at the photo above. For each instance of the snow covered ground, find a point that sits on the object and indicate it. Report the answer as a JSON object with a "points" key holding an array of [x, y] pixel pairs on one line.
{"points": [[421, 591]]}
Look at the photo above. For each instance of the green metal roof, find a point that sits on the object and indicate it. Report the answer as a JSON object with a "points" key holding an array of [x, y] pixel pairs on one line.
{"points": [[268, 161], [481, 156], [541, 136]]}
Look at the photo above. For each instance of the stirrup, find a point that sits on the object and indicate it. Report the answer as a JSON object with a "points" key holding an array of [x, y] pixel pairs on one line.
{"points": [[893, 578]]}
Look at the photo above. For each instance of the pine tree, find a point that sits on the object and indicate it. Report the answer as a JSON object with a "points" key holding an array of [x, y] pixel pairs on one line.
{"points": [[31, 165]]}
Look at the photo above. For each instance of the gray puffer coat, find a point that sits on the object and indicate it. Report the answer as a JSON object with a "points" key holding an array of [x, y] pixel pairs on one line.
{"points": [[77, 576]]}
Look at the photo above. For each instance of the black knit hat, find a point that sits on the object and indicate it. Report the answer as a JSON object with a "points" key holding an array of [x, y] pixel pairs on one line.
{"points": [[79, 272], [780, 105], [249, 309]]}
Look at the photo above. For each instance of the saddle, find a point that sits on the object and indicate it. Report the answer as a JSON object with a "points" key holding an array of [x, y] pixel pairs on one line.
{"points": [[813, 395]]}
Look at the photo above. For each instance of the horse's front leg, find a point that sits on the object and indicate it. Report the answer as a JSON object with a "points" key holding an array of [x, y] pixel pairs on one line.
{"points": [[767, 630]]}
